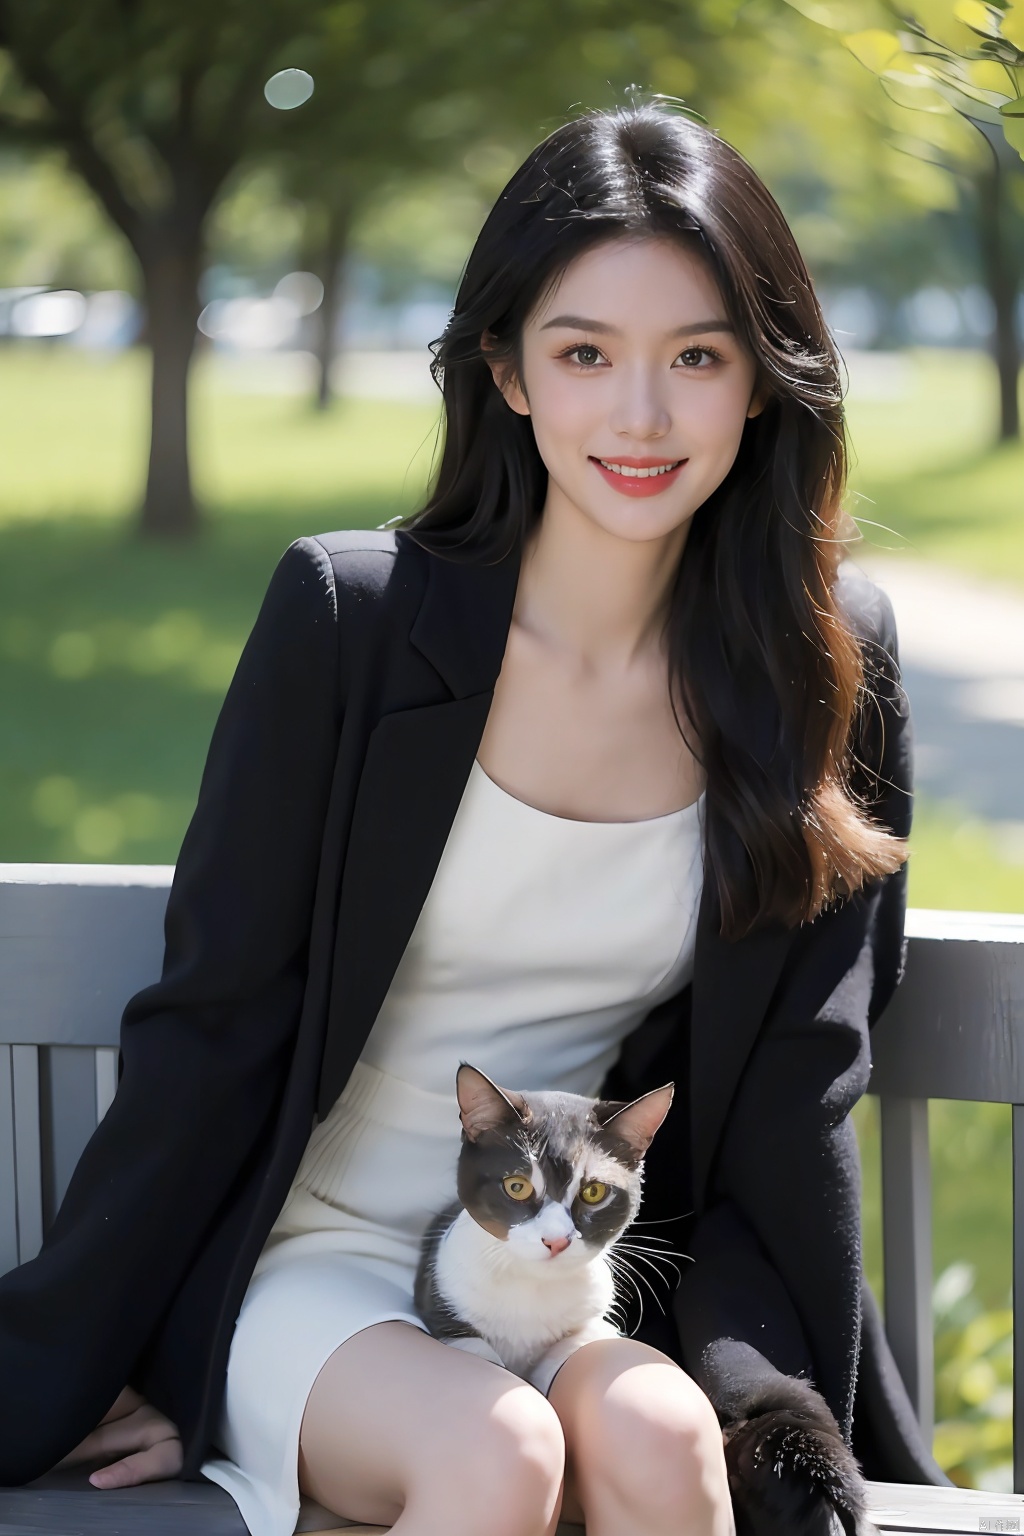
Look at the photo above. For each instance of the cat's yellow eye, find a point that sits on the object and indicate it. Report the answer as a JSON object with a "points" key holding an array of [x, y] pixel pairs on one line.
{"points": [[594, 1192], [518, 1186]]}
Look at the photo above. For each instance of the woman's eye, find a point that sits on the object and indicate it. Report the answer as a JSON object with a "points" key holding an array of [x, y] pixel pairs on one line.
{"points": [[585, 354], [693, 356], [517, 1186], [593, 1193]]}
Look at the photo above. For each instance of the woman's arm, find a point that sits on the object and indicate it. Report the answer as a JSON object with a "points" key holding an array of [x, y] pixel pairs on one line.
{"points": [[204, 1051]]}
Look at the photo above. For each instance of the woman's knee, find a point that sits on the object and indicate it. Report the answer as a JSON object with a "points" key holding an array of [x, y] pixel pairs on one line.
{"points": [[650, 1438], [435, 1428], [505, 1471]]}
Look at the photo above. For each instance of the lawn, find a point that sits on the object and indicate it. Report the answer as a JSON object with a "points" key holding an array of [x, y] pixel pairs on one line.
{"points": [[926, 477], [114, 655]]}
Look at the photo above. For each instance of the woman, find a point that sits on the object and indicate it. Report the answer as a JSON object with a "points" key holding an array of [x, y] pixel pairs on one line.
{"points": [[595, 772]]}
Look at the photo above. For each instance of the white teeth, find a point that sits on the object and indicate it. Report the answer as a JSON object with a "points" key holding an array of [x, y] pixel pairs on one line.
{"points": [[639, 474]]}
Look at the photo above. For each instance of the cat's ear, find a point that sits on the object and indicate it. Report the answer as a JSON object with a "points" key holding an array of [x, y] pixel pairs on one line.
{"points": [[637, 1121], [483, 1106]]}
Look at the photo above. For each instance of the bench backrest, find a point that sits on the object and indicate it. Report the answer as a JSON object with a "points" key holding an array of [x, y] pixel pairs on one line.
{"points": [[77, 940]]}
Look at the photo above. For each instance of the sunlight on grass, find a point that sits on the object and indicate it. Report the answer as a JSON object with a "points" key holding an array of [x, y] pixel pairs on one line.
{"points": [[958, 863], [73, 441], [927, 477]]}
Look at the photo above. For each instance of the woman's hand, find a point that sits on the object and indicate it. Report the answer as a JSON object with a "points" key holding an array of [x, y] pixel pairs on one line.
{"points": [[147, 1444]]}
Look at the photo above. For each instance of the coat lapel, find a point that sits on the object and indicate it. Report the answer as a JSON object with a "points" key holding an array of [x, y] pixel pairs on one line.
{"points": [[733, 984], [415, 770]]}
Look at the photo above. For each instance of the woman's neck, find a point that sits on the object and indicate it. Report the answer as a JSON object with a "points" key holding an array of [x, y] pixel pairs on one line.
{"points": [[590, 592]]}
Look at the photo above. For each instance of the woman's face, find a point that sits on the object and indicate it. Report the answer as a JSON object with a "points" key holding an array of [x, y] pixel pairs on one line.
{"points": [[630, 363]]}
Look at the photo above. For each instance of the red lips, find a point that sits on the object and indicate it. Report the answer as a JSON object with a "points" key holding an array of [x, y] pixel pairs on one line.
{"points": [[639, 485]]}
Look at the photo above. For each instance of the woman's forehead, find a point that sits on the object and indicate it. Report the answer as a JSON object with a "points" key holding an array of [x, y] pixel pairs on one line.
{"points": [[629, 283]]}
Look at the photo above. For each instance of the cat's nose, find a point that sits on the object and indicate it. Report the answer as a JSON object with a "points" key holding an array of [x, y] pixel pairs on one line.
{"points": [[556, 1244]]}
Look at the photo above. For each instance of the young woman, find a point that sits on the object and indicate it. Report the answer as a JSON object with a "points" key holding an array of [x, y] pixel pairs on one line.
{"points": [[595, 772]]}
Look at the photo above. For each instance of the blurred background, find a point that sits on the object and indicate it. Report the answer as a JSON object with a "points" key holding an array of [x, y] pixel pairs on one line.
{"points": [[228, 231]]}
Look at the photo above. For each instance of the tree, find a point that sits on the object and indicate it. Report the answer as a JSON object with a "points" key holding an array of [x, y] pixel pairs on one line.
{"points": [[963, 62], [153, 105], [412, 100], [157, 103]]}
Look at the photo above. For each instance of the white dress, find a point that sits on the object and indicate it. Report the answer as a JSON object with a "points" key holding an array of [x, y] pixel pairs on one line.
{"points": [[543, 941]]}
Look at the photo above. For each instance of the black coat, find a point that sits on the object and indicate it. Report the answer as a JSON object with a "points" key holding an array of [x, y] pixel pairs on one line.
{"points": [[334, 774]]}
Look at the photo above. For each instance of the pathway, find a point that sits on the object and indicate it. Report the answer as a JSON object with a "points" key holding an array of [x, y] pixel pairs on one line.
{"points": [[962, 652]]}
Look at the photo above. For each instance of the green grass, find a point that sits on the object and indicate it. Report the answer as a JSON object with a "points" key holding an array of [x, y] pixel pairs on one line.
{"points": [[114, 656], [926, 477]]}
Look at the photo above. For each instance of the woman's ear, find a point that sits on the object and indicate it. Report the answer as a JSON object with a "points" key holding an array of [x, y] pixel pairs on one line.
{"points": [[758, 400], [503, 374]]}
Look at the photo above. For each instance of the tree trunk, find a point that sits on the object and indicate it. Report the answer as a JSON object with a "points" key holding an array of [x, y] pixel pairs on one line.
{"points": [[335, 239], [171, 276], [1002, 277]]}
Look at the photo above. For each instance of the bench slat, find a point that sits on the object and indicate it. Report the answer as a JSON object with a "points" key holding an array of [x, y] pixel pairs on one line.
{"points": [[69, 1116], [8, 1187], [27, 1150], [907, 1249], [1017, 1131], [63, 1501], [106, 1080]]}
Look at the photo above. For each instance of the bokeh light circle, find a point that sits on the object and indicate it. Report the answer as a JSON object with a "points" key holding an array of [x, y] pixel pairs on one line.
{"points": [[288, 89]]}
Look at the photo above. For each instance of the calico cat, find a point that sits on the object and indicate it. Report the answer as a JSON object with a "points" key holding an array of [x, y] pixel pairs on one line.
{"points": [[519, 1268]]}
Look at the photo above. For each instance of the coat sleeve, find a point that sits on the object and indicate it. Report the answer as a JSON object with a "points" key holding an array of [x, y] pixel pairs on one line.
{"points": [[203, 1051], [777, 1248]]}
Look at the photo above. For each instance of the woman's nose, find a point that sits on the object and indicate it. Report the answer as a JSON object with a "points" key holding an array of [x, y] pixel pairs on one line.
{"points": [[640, 409]]}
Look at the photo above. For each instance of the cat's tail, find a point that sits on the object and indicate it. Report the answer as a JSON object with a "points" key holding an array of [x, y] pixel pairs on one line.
{"points": [[791, 1472]]}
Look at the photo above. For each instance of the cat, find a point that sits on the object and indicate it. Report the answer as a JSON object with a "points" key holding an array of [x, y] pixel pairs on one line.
{"points": [[519, 1268]]}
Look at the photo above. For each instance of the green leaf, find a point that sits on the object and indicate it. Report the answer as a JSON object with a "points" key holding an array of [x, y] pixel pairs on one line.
{"points": [[875, 49], [1013, 108], [979, 17]]}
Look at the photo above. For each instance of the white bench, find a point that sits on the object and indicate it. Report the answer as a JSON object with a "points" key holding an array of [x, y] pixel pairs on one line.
{"points": [[77, 940]]}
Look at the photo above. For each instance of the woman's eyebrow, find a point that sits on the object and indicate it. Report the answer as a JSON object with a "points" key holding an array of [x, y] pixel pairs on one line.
{"points": [[579, 323]]}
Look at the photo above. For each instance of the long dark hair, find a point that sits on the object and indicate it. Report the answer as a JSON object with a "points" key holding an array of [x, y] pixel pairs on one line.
{"points": [[770, 675]]}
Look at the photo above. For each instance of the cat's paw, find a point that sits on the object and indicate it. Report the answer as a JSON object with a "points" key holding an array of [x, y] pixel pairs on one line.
{"points": [[792, 1474]]}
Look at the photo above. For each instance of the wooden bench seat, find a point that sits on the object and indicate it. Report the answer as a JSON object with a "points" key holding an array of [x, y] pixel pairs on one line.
{"points": [[65, 1504], [77, 940]]}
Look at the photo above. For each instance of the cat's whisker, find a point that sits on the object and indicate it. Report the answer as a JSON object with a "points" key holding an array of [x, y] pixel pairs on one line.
{"points": [[641, 1276], [651, 1260], [656, 1253], [647, 1237], [641, 1244], [627, 1279], [653, 1256], [659, 1221], [646, 1259]]}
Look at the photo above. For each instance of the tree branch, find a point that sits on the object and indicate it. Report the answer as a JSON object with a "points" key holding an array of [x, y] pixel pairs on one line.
{"points": [[68, 130]]}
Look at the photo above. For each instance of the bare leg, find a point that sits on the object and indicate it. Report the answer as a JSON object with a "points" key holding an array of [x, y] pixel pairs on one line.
{"points": [[643, 1445], [401, 1430]]}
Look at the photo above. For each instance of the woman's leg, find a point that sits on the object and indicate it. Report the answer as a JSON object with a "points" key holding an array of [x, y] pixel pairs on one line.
{"points": [[644, 1454], [401, 1430]]}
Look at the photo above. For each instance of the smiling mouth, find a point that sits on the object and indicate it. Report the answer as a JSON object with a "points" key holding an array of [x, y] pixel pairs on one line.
{"points": [[640, 472]]}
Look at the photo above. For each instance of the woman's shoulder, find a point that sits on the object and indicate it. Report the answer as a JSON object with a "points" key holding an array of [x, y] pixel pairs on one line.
{"points": [[366, 569], [866, 607], [361, 559]]}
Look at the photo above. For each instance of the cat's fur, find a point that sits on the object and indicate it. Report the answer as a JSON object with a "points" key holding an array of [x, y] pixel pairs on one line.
{"points": [[513, 1279]]}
